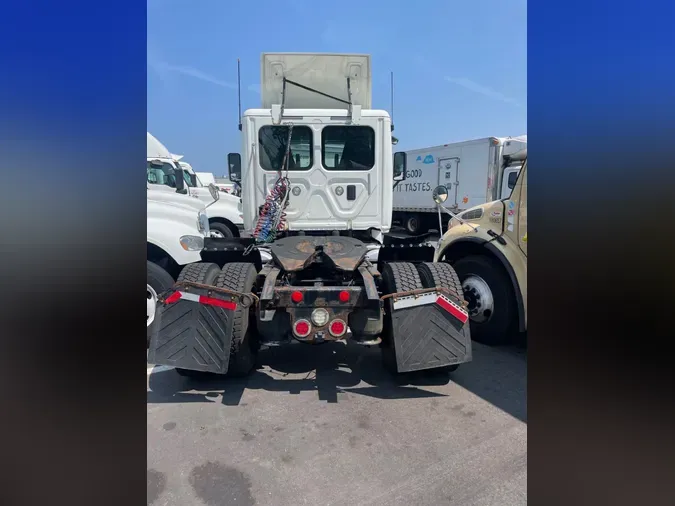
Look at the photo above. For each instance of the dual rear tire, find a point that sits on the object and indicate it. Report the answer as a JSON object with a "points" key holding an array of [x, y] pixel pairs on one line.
{"points": [[238, 277], [404, 277]]}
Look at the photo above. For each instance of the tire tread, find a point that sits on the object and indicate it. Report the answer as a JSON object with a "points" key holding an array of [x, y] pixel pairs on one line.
{"points": [[441, 275], [240, 277]]}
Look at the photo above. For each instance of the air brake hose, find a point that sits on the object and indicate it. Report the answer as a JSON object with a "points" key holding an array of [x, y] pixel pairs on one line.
{"points": [[272, 216]]}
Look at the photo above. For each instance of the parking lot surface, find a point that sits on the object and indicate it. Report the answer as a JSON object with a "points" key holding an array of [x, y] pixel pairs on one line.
{"points": [[327, 425]]}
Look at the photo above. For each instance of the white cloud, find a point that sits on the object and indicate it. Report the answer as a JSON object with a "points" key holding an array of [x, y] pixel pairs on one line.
{"points": [[162, 68], [483, 90]]}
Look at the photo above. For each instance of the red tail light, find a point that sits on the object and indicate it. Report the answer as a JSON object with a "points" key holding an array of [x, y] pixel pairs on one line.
{"points": [[302, 328], [337, 328], [344, 296], [296, 297]]}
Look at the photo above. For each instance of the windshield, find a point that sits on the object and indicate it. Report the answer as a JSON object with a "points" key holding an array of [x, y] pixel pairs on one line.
{"points": [[161, 173], [272, 141]]}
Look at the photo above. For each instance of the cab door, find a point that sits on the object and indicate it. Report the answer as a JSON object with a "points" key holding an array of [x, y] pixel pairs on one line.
{"points": [[516, 212], [509, 181]]}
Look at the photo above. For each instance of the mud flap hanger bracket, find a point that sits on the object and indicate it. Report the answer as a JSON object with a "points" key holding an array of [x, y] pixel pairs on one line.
{"points": [[243, 299], [440, 296]]}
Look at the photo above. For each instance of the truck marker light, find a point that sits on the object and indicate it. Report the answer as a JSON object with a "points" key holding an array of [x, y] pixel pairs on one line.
{"points": [[296, 297], [302, 328], [337, 328], [344, 296]]}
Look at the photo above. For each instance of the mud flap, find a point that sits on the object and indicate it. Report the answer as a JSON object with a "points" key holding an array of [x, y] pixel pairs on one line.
{"points": [[429, 331], [194, 331]]}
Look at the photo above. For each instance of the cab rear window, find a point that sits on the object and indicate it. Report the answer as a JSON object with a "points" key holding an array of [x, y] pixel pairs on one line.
{"points": [[348, 147], [272, 143]]}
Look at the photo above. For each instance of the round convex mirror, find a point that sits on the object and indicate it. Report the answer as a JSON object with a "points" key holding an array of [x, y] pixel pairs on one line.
{"points": [[213, 189], [440, 194]]}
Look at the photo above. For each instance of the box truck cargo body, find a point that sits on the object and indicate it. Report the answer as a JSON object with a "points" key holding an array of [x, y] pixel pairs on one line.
{"points": [[475, 172]]}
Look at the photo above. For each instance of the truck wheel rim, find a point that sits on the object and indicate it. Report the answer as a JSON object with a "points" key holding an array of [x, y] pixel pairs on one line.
{"points": [[151, 304], [479, 296], [216, 234]]}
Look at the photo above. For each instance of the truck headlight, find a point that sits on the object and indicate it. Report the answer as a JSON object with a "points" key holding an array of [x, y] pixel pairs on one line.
{"points": [[192, 242], [203, 223]]}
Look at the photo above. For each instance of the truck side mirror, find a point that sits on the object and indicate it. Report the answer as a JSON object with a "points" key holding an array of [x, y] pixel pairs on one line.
{"points": [[440, 194], [215, 193], [180, 182], [234, 164], [400, 166]]}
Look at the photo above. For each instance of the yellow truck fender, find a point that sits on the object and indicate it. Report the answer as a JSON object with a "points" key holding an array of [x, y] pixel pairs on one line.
{"points": [[475, 244]]}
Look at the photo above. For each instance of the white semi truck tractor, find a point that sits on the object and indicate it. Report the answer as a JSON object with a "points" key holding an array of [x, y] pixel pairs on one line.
{"points": [[317, 171]]}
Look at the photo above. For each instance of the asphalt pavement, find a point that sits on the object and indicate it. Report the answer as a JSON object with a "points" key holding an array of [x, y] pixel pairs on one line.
{"points": [[327, 425]]}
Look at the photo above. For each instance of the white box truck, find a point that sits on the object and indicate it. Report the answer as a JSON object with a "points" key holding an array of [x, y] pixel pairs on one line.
{"points": [[475, 172]]}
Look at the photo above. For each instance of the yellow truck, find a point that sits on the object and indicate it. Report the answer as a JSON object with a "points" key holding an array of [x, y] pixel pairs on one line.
{"points": [[488, 249]]}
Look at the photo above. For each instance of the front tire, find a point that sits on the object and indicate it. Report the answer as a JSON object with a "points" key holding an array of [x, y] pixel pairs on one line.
{"points": [[220, 230], [158, 281], [492, 305]]}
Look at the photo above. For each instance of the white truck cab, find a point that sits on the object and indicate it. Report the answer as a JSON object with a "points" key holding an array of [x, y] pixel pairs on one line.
{"points": [[340, 172], [165, 173]]}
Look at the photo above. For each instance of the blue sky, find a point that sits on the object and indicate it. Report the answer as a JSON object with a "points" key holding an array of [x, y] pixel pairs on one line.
{"points": [[460, 67]]}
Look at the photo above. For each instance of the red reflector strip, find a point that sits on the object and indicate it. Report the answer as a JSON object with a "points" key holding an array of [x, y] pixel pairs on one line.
{"points": [[225, 304], [202, 299], [174, 297], [453, 309]]}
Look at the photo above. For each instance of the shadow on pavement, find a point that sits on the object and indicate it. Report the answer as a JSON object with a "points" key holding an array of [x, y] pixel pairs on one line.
{"points": [[327, 369], [498, 375]]}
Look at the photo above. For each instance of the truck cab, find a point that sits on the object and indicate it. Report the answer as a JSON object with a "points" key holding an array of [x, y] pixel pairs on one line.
{"points": [[339, 166], [489, 253], [165, 173], [340, 172]]}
